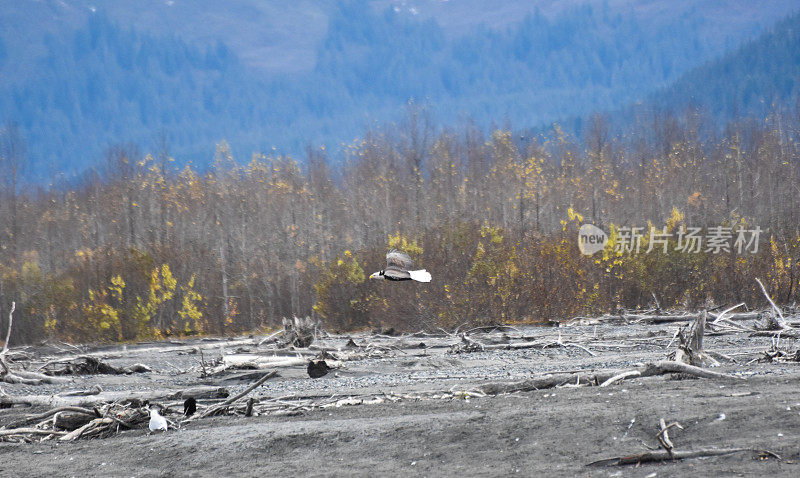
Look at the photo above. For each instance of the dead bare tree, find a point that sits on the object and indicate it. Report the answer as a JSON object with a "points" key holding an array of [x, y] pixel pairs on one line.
{"points": [[20, 376]]}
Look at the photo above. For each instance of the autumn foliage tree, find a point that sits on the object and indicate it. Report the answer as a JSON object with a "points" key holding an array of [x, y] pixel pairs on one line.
{"points": [[141, 249]]}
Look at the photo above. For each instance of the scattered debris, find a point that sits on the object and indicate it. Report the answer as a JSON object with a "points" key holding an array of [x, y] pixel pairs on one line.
{"points": [[466, 345], [89, 365], [299, 332], [775, 354], [223, 407], [89, 411]]}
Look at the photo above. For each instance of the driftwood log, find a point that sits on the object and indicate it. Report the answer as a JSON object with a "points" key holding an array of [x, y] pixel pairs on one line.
{"points": [[664, 318], [89, 365], [600, 378], [71, 420], [670, 454], [661, 455], [224, 405], [36, 418], [55, 401]]}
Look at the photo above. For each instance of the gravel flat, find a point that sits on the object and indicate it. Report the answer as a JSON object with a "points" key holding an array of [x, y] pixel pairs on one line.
{"points": [[555, 431]]}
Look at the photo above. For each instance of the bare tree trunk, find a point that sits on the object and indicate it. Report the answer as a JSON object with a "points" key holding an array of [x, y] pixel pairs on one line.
{"points": [[225, 298]]}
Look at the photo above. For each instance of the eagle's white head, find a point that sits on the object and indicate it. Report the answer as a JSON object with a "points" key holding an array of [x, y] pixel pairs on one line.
{"points": [[377, 275]]}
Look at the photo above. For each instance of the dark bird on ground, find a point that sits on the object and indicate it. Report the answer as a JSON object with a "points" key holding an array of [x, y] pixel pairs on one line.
{"points": [[189, 406], [317, 368], [398, 267]]}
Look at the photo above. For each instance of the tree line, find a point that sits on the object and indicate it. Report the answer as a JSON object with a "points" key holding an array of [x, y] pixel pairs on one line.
{"points": [[140, 248]]}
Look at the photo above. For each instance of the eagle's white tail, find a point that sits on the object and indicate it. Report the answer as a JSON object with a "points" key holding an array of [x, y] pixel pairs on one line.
{"points": [[421, 275]]}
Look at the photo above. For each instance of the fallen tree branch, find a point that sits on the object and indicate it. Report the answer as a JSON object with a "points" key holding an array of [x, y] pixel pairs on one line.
{"points": [[663, 435], [491, 328], [94, 424], [49, 413], [720, 356], [96, 390], [571, 344], [781, 321], [218, 408], [600, 378], [509, 346], [546, 381], [659, 319], [621, 376], [89, 365], [27, 378], [270, 338], [659, 456], [793, 333], [251, 388], [92, 401], [665, 319], [670, 366], [29, 431], [722, 314]]}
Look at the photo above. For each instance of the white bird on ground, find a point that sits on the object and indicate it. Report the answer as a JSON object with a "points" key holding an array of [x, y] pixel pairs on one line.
{"points": [[157, 422]]}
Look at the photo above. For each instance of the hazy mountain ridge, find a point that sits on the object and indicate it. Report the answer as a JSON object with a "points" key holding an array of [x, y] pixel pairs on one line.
{"points": [[755, 78], [90, 86], [283, 36]]}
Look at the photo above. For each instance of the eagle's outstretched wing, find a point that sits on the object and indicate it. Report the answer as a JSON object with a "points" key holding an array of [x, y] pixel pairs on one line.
{"points": [[399, 260]]}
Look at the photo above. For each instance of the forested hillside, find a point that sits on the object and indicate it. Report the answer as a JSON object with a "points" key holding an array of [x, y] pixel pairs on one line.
{"points": [[752, 80], [147, 250], [103, 82]]}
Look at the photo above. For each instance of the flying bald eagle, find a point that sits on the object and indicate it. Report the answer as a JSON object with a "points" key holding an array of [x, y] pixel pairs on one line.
{"points": [[398, 267]]}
